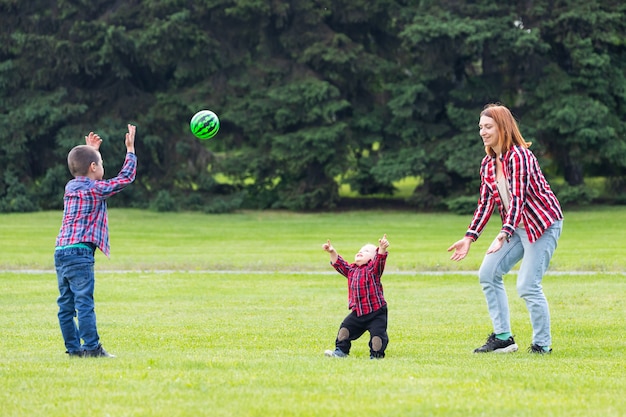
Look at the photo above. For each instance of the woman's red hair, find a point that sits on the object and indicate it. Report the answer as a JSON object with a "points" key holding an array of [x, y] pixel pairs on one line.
{"points": [[509, 134]]}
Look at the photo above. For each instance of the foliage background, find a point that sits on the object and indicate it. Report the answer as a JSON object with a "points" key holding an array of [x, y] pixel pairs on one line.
{"points": [[312, 95]]}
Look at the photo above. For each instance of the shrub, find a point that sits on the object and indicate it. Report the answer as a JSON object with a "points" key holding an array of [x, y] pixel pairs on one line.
{"points": [[579, 195], [164, 202], [461, 205]]}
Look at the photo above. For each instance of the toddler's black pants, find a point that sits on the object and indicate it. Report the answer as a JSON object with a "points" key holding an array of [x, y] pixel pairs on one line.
{"points": [[354, 326]]}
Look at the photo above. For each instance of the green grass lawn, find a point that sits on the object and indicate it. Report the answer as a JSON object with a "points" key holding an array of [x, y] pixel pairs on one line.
{"points": [[229, 315], [144, 240]]}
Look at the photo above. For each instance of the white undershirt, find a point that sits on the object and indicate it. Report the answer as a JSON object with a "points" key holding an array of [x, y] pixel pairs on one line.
{"points": [[505, 194]]}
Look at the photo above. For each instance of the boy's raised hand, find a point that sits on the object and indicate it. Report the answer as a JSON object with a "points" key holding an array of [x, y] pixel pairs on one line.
{"points": [[130, 138], [93, 140]]}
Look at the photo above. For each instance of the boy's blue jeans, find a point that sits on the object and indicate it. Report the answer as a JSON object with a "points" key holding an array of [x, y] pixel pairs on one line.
{"points": [[535, 260], [76, 280]]}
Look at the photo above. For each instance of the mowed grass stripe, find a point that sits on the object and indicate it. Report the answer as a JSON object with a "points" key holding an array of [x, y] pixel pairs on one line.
{"points": [[285, 241]]}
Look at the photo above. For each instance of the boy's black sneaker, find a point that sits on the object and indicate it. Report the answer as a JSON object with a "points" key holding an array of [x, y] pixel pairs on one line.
{"points": [[98, 352], [78, 354], [539, 350], [496, 345]]}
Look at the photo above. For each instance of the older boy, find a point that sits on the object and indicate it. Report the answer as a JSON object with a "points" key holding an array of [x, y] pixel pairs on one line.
{"points": [[365, 299], [85, 228]]}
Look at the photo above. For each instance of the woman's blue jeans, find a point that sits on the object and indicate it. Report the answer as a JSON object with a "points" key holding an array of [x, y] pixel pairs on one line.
{"points": [[535, 260], [76, 280]]}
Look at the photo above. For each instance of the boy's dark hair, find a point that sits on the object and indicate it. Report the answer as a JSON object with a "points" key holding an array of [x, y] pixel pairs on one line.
{"points": [[80, 158]]}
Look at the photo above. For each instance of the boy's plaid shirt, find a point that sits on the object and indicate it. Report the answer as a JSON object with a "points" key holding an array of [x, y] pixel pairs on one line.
{"points": [[85, 211], [365, 290]]}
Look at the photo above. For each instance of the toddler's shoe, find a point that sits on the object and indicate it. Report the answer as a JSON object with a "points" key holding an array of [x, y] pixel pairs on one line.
{"points": [[337, 353]]}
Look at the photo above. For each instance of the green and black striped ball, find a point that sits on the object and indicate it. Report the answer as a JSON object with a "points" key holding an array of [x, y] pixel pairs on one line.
{"points": [[204, 124]]}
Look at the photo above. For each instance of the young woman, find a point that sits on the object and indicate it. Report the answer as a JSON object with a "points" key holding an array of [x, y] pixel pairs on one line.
{"points": [[532, 220]]}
